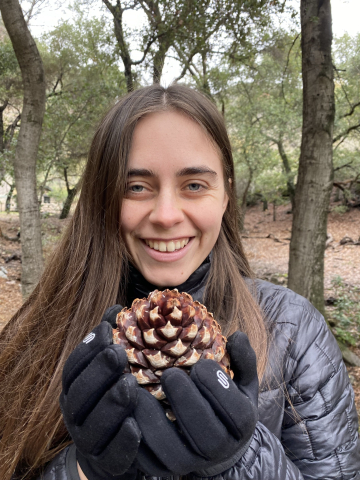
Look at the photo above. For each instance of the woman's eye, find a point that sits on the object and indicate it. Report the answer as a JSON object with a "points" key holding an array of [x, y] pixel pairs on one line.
{"points": [[194, 187], [136, 188]]}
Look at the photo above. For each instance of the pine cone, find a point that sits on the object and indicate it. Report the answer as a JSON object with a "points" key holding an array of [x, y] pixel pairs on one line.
{"points": [[168, 329]]}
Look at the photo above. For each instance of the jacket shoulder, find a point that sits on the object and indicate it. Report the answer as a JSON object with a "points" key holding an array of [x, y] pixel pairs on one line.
{"points": [[57, 468], [299, 336], [275, 300]]}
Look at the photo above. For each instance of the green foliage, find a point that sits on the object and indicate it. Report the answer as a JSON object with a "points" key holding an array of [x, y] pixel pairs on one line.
{"points": [[346, 312], [264, 114], [340, 209], [10, 77], [83, 81], [347, 121], [10, 106]]}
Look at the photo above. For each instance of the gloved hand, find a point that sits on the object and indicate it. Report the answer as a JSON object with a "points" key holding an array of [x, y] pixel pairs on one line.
{"points": [[243, 364], [97, 403], [216, 420]]}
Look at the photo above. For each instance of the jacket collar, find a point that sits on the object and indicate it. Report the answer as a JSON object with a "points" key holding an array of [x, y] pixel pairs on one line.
{"points": [[139, 287]]}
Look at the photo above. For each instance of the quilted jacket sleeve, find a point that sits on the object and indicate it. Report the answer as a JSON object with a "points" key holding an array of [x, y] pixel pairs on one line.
{"points": [[319, 437]]}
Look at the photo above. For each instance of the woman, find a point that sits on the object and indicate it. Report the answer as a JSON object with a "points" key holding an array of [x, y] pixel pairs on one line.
{"points": [[160, 171]]}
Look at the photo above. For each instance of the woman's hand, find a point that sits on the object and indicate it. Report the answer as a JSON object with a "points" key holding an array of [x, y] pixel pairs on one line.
{"points": [[216, 417], [243, 364], [97, 402]]}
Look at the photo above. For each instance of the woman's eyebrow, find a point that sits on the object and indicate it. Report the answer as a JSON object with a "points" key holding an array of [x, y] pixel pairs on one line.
{"points": [[195, 171], [140, 172], [144, 172]]}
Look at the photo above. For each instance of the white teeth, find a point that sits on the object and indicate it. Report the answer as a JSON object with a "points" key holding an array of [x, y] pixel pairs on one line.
{"points": [[162, 246], [170, 247], [167, 246]]}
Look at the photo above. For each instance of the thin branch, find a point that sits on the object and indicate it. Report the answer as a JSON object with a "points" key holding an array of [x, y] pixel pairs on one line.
{"points": [[2, 107], [30, 13], [9, 134], [342, 86], [187, 62], [286, 67], [147, 48], [54, 92], [341, 141], [346, 132], [351, 111], [344, 166]]}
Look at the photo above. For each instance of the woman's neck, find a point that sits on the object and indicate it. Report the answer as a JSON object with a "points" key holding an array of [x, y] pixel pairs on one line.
{"points": [[139, 287]]}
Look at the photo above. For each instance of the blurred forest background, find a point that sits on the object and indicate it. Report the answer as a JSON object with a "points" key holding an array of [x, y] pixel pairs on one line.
{"points": [[247, 57]]}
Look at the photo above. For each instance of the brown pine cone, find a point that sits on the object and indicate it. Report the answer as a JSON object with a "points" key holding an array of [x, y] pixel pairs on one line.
{"points": [[168, 329]]}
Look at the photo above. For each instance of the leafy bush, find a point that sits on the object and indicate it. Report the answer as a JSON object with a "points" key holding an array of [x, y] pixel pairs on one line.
{"points": [[340, 209], [345, 314]]}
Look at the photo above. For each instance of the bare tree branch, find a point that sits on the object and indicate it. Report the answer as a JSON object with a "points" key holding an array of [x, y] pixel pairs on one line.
{"points": [[343, 166], [346, 132], [351, 111]]}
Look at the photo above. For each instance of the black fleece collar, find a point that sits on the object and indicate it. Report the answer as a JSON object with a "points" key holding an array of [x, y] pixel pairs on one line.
{"points": [[139, 287]]}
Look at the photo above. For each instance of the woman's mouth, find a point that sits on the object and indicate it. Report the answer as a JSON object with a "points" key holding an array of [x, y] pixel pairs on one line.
{"points": [[167, 251], [170, 246]]}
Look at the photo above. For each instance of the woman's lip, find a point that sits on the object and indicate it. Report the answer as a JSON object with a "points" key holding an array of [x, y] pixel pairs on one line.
{"points": [[167, 256]]}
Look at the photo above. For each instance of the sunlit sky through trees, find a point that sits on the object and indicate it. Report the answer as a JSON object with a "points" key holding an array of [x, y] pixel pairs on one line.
{"points": [[345, 13]]}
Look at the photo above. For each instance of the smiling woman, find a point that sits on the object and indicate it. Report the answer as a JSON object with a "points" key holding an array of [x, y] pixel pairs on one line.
{"points": [[158, 209], [175, 199]]}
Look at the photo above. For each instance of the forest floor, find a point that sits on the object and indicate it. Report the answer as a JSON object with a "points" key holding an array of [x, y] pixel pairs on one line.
{"points": [[266, 243]]}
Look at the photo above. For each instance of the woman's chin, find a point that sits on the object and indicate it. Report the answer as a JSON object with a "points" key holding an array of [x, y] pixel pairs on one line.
{"points": [[162, 280]]}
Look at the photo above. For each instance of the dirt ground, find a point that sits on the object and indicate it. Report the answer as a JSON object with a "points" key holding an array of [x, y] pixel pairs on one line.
{"points": [[266, 243]]}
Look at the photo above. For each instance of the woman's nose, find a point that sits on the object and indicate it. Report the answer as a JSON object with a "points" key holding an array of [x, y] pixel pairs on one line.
{"points": [[167, 210]]}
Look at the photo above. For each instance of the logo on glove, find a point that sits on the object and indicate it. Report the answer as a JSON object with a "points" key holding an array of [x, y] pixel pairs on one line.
{"points": [[89, 337], [222, 379]]}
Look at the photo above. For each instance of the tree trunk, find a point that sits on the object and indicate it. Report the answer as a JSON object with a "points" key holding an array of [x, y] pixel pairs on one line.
{"points": [[289, 174], [158, 62], [2, 165], [32, 115], [315, 176], [117, 13], [244, 201], [68, 202], [70, 196], [9, 197], [2, 140]]}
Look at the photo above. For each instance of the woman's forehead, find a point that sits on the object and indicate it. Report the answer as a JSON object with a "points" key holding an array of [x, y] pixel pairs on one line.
{"points": [[171, 137]]}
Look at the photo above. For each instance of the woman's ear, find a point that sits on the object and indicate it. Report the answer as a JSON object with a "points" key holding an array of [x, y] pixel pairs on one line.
{"points": [[226, 197]]}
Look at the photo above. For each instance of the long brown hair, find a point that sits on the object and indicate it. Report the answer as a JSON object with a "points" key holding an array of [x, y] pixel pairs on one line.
{"points": [[87, 273]]}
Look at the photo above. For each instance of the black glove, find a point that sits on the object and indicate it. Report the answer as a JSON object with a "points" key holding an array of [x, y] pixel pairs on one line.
{"points": [[97, 402], [243, 364], [111, 314], [215, 423]]}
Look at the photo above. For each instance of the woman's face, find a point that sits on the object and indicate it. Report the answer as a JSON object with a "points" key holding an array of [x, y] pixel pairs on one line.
{"points": [[171, 215]]}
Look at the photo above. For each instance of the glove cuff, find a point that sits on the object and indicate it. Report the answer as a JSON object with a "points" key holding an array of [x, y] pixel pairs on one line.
{"points": [[93, 472], [225, 465]]}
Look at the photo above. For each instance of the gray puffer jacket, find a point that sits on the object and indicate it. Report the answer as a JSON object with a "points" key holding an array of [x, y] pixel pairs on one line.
{"points": [[308, 425]]}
